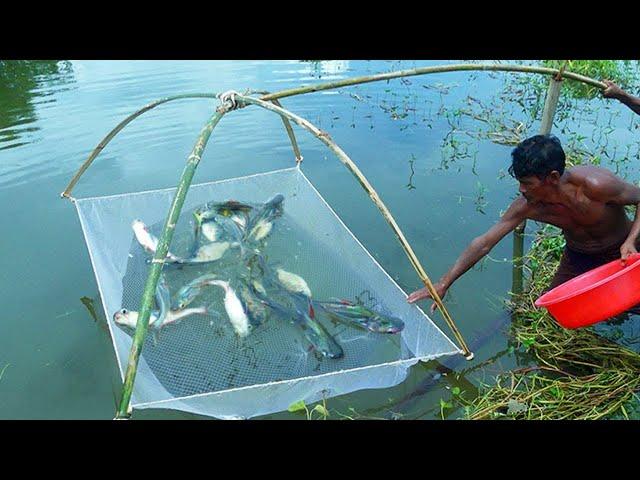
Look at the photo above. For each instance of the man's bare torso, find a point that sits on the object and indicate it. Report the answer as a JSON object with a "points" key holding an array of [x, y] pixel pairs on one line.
{"points": [[588, 224]]}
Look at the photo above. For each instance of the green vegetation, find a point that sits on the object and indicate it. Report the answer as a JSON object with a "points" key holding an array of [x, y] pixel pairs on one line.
{"points": [[578, 374], [620, 72]]}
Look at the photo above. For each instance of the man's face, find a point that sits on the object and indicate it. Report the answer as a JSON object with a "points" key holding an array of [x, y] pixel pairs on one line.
{"points": [[531, 188]]}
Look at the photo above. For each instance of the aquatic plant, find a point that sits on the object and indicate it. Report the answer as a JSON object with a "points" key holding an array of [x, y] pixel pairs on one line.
{"points": [[320, 410], [579, 374], [618, 71]]}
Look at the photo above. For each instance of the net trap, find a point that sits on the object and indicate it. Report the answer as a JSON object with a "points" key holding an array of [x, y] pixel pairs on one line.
{"points": [[237, 298]]}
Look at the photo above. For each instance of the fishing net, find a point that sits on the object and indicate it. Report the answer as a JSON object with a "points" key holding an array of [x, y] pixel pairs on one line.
{"points": [[199, 364]]}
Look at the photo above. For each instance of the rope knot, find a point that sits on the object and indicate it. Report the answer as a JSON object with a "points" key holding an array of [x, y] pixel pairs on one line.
{"points": [[228, 101]]}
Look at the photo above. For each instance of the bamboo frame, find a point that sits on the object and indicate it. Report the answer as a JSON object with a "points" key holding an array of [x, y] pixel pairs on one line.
{"points": [[338, 84], [436, 69], [103, 143], [159, 258], [344, 158], [193, 160], [548, 113]]}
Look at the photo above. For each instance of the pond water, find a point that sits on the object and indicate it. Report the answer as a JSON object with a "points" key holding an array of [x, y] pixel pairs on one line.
{"points": [[57, 361]]}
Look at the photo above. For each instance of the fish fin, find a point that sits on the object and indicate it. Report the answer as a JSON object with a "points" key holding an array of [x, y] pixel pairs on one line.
{"points": [[312, 312]]}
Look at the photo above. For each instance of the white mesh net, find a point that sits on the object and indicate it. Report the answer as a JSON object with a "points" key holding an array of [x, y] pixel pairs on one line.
{"points": [[199, 364]]}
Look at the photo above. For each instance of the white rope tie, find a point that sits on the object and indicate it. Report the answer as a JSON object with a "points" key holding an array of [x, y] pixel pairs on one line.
{"points": [[228, 100]]}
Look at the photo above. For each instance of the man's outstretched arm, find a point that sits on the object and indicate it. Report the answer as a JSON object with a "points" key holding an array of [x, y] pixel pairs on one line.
{"points": [[477, 249], [614, 91]]}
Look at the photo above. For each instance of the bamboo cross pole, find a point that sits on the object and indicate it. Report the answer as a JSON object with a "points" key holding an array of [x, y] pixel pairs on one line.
{"points": [[344, 158], [548, 114], [333, 85], [159, 258]]}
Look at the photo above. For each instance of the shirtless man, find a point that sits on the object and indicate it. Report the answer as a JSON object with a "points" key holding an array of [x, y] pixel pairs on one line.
{"points": [[586, 202]]}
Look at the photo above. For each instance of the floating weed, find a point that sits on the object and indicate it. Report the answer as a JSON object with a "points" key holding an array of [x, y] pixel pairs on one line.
{"points": [[579, 374], [410, 185]]}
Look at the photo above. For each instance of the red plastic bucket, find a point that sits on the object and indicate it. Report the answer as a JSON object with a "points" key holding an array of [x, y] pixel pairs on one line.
{"points": [[596, 295]]}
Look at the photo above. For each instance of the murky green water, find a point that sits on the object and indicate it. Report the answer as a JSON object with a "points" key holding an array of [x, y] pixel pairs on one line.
{"points": [[59, 361]]}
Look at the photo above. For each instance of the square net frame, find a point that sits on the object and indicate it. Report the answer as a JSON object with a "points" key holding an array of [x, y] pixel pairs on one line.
{"points": [[198, 365]]}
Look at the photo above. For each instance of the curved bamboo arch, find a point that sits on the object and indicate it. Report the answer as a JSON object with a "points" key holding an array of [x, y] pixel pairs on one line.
{"points": [[353, 168], [331, 85], [196, 154], [103, 143]]}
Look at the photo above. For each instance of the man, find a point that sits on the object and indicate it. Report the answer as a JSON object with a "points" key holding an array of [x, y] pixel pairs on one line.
{"points": [[586, 202], [614, 91]]}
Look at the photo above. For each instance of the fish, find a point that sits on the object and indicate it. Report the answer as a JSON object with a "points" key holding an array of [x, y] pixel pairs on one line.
{"points": [[261, 230], [147, 240], [236, 311], [211, 231], [260, 226], [257, 285], [295, 284], [256, 309], [163, 300], [129, 318], [319, 337], [213, 227], [208, 253], [191, 290], [348, 312], [240, 220], [314, 332], [376, 323], [226, 209]]}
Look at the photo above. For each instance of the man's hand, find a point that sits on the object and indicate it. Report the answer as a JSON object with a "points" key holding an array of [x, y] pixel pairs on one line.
{"points": [[626, 249], [612, 90], [440, 287]]}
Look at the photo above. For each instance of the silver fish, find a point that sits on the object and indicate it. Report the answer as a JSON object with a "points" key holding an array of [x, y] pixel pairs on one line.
{"points": [[163, 300], [261, 224], [129, 318], [146, 239], [236, 311], [191, 290]]}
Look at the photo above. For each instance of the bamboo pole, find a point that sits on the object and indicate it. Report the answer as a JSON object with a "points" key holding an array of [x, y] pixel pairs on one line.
{"points": [[159, 258], [435, 69], [292, 137], [517, 271], [338, 84], [550, 105], [548, 113], [344, 158], [120, 126]]}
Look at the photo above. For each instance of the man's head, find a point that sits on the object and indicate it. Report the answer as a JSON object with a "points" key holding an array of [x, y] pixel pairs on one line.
{"points": [[537, 163]]}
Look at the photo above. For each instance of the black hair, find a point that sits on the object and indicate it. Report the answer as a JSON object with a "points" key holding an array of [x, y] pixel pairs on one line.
{"points": [[538, 155]]}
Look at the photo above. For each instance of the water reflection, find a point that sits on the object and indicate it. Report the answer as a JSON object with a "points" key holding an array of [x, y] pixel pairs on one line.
{"points": [[23, 85], [326, 69]]}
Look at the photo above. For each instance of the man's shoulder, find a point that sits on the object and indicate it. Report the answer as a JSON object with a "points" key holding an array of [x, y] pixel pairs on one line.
{"points": [[594, 181], [519, 207], [590, 172], [592, 176]]}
